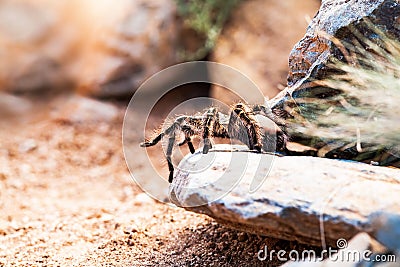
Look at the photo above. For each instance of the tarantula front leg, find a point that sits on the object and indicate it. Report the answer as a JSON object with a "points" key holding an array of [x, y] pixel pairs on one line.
{"points": [[212, 128], [242, 116], [208, 128], [280, 133]]}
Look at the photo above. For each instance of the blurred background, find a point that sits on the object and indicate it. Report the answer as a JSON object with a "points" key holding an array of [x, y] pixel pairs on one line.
{"points": [[76, 63], [106, 49], [68, 69]]}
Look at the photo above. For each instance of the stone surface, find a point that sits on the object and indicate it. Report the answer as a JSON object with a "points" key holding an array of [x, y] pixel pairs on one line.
{"points": [[258, 39], [103, 48], [79, 109], [35, 45], [361, 250], [139, 40], [388, 232], [357, 246], [335, 120], [13, 106], [298, 194], [337, 18]]}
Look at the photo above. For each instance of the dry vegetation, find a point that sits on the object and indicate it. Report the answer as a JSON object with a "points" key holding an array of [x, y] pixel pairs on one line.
{"points": [[360, 107]]}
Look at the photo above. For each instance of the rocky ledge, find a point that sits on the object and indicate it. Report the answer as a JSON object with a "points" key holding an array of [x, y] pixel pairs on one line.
{"points": [[310, 200]]}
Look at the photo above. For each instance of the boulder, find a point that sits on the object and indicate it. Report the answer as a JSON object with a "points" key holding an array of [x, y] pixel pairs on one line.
{"points": [[332, 113], [310, 200], [35, 45], [139, 40], [12, 106], [104, 49], [308, 58], [257, 39], [80, 110]]}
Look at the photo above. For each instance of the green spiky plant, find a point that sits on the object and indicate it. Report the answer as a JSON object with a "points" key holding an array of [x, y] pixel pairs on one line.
{"points": [[362, 116], [206, 18]]}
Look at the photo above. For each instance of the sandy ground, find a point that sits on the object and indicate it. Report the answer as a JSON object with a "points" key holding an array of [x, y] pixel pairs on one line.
{"points": [[67, 199]]}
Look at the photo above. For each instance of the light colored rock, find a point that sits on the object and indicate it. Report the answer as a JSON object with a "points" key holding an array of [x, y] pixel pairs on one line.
{"points": [[357, 252], [13, 106], [388, 232], [78, 109], [106, 48], [300, 197], [27, 146], [258, 38], [35, 45], [120, 53]]}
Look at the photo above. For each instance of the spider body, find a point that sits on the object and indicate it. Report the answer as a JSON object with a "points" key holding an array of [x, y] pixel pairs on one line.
{"points": [[240, 125]]}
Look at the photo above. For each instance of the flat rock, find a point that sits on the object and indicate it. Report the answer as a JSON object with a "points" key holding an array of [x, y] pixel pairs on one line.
{"points": [[300, 197]]}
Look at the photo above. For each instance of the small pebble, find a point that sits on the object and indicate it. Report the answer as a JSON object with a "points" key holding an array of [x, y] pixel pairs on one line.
{"points": [[129, 230], [27, 146], [242, 237]]}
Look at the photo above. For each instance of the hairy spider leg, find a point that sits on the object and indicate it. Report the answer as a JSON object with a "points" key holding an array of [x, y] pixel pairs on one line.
{"points": [[281, 136], [212, 127], [208, 128], [154, 141], [171, 132], [246, 118], [187, 130], [171, 142], [219, 130]]}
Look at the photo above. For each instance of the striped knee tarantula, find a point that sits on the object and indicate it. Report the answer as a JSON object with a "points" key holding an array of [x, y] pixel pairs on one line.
{"points": [[240, 125]]}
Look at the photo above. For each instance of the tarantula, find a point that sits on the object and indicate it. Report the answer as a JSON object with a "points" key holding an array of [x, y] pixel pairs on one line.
{"points": [[241, 125]]}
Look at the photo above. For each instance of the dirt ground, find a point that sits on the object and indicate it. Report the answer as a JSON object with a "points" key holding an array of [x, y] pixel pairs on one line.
{"points": [[67, 199]]}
